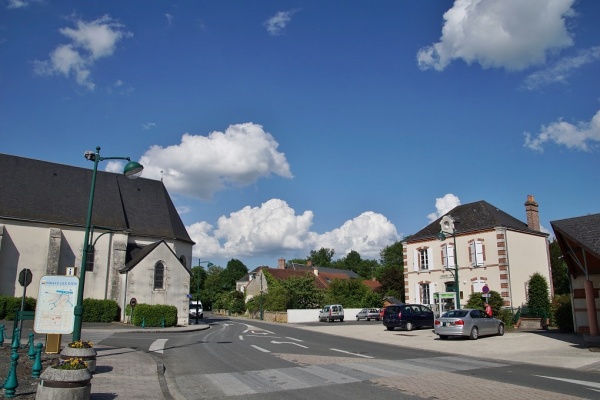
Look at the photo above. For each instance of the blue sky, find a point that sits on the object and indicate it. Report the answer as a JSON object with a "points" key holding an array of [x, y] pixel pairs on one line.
{"points": [[281, 127]]}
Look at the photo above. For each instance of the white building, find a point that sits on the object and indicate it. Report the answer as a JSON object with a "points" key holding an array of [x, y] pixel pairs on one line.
{"points": [[142, 248], [493, 250]]}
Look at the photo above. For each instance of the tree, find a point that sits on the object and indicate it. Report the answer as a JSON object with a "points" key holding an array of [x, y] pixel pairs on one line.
{"points": [[538, 299], [322, 257], [197, 280], [213, 286], [350, 293], [560, 273], [234, 271], [391, 274]]}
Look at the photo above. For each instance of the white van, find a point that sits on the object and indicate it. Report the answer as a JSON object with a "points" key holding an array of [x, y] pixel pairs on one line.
{"points": [[331, 313], [193, 305]]}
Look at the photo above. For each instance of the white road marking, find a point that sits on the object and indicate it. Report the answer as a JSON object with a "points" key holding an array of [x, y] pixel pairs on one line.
{"points": [[594, 385], [354, 354], [295, 344], [291, 338], [241, 337], [260, 348], [158, 345]]}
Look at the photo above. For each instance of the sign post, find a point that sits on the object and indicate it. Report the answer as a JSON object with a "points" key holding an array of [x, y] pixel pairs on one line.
{"points": [[132, 303], [25, 277]]}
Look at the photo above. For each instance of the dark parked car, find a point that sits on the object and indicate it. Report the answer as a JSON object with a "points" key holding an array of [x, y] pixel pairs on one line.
{"points": [[407, 316]]}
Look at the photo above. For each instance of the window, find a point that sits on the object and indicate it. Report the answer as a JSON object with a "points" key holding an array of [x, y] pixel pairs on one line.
{"points": [[476, 253], [448, 256], [159, 276], [425, 293], [450, 286], [422, 259]]}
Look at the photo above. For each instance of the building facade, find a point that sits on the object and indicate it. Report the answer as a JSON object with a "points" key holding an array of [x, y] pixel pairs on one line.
{"points": [[141, 247], [489, 249]]}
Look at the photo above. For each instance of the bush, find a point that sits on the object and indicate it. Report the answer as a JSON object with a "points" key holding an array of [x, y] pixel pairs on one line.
{"points": [[100, 310], [506, 315], [476, 300], [538, 300], [561, 314], [154, 315], [9, 304]]}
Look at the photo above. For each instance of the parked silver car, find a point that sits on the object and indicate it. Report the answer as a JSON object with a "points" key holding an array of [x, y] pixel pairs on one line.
{"points": [[368, 314], [467, 322], [332, 312]]}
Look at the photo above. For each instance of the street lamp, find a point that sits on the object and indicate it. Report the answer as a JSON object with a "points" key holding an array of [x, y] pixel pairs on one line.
{"points": [[260, 299], [132, 170], [447, 225]]}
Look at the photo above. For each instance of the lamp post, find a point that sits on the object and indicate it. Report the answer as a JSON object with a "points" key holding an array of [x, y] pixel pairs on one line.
{"points": [[260, 299], [447, 225], [132, 170]]}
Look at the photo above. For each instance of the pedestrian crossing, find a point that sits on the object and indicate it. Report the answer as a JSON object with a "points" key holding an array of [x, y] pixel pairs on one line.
{"points": [[310, 376]]}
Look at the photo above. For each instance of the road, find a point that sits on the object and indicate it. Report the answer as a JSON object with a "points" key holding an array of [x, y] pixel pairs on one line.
{"points": [[252, 360]]}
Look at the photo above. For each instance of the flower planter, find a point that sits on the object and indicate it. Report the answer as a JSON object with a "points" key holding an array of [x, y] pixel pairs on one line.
{"points": [[63, 384], [87, 354]]}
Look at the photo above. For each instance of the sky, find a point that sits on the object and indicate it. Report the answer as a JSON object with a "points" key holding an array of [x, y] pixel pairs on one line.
{"points": [[281, 127]]}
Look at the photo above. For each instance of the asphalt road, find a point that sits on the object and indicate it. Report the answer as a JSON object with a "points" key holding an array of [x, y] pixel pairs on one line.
{"points": [[251, 360]]}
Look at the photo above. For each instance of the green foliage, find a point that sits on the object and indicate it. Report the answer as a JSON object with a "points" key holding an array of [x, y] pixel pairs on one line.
{"points": [[476, 300], [9, 304], [392, 281], [297, 292], [506, 315], [560, 273], [350, 293], [152, 315], [391, 273], [100, 310], [561, 315], [538, 301], [321, 257], [213, 287], [197, 280], [234, 271]]}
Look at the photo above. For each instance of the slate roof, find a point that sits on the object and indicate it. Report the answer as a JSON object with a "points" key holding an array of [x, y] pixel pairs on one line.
{"points": [[575, 235], [473, 217], [136, 253], [57, 194]]}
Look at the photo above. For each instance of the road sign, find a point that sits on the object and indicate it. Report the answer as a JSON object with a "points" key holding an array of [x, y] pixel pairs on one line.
{"points": [[25, 277], [485, 289], [133, 302]]}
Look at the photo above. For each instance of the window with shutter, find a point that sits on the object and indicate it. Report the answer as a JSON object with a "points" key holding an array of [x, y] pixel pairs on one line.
{"points": [[448, 255], [159, 275], [476, 256]]}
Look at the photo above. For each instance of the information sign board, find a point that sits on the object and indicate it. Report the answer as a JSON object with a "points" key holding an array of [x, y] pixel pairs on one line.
{"points": [[54, 312]]}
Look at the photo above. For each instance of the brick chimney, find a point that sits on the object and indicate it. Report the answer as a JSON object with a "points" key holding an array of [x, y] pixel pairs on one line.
{"points": [[281, 263], [531, 210]]}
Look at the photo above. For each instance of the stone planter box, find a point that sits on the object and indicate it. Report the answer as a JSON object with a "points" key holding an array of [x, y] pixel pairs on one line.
{"points": [[86, 354], [62, 384]]}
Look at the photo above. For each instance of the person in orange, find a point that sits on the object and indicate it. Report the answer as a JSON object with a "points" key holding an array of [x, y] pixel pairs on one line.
{"points": [[488, 310]]}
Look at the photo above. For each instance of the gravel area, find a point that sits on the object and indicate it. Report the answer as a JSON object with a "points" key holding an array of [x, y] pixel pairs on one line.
{"points": [[27, 383]]}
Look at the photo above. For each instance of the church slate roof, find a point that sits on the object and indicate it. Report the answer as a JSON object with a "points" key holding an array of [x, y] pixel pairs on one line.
{"points": [[473, 217], [57, 194]]}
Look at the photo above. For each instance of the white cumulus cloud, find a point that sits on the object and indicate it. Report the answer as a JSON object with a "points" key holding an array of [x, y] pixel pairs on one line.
{"points": [[443, 205], [274, 228], [510, 34], [582, 136], [89, 41], [200, 166]]}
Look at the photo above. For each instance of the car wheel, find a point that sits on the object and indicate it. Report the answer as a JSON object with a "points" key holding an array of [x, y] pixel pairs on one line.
{"points": [[390, 328], [409, 326], [474, 333], [443, 337], [368, 319], [501, 330], [342, 320], [358, 319], [329, 320]]}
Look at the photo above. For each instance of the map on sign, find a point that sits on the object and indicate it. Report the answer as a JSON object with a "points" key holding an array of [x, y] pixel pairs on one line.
{"points": [[54, 312]]}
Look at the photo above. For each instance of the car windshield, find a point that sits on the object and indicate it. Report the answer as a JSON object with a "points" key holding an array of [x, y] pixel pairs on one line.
{"points": [[455, 314]]}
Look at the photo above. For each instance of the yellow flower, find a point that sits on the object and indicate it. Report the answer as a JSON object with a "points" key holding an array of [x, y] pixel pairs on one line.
{"points": [[81, 344]]}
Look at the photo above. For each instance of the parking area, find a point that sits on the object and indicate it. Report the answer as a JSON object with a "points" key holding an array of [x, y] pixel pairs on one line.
{"points": [[550, 348]]}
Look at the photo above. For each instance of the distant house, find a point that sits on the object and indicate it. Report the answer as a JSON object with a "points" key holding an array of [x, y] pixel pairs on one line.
{"points": [[494, 251], [322, 277], [141, 246], [579, 241]]}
